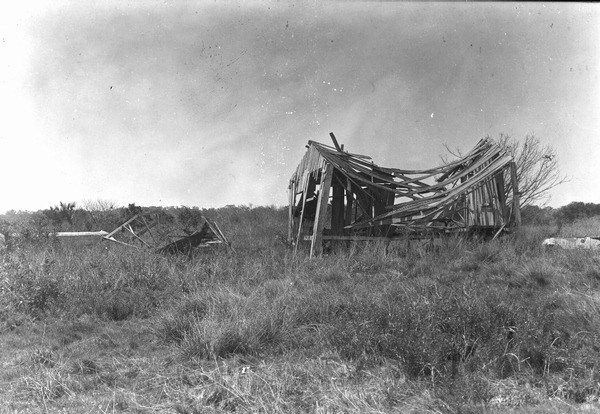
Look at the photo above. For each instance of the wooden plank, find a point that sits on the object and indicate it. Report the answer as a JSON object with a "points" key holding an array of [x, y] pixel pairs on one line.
{"points": [[362, 199], [316, 247], [128, 228], [497, 219], [222, 235], [481, 147], [337, 204], [349, 203], [216, 231], [112, 239], [292, 203], [76, 234], [150, 226], [348, 172], [121, 226], [476, 168], [496, 164], [499, 181], [516, 195], [322, 147], [147, 229], [350, 238], [335, 143], [301, 214]]}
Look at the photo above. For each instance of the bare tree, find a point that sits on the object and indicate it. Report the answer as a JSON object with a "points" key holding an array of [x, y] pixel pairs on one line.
{"points": [[537, 168], [99, 205]]}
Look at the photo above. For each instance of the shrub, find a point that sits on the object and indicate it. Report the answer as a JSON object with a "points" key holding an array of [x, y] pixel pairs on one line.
{"points": [[465, 321]]}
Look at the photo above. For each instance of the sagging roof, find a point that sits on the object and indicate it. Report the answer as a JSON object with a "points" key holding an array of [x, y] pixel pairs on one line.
{"points": [[422, 199]]}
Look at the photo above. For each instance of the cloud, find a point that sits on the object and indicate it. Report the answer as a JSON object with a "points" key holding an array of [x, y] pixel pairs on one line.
{"points": [[211, 104]]}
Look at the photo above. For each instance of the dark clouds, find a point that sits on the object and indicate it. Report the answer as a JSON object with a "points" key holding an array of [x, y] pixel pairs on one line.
{"points": [[209, 104]]}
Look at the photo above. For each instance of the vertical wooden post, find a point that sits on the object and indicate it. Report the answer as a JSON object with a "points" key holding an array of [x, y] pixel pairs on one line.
{"points": [[499, 180], [337, 204], [304, 191], [469, 209], [316, 246], [516, 194], [292, 202], [349, 204]]}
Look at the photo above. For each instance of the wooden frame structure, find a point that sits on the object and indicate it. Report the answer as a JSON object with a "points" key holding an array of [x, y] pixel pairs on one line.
{"points": [[336, 195], [137, 232]]}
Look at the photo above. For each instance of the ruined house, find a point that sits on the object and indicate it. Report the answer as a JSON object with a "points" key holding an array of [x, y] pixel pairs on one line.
{"points": [[337, 195]]}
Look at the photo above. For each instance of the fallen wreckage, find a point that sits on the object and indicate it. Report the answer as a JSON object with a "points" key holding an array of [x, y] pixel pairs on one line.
{"points": [[138, 232], [336, 195]]}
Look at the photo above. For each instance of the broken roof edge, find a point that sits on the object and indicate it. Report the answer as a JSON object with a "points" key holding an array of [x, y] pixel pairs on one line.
{"points": [[475, 161], [437, 201], [350, 154], [483, 145], [465, 174]]}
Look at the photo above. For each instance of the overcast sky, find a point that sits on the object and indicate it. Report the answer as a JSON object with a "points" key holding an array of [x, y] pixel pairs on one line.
{"points": [[211, 103]]}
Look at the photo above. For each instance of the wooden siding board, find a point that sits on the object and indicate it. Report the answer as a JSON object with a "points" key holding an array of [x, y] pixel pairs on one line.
{"points": [[316, 246]]}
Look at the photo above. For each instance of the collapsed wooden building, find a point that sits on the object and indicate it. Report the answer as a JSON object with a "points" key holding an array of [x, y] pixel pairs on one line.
{"points": [[336, 195], [149, 231]]}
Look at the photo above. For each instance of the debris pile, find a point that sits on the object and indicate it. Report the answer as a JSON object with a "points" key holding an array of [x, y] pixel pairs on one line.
{"points": [[150, 231], [337, 195]]}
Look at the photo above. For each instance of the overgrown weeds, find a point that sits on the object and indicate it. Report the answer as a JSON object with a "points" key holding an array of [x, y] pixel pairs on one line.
{"points": [[463, 322]]}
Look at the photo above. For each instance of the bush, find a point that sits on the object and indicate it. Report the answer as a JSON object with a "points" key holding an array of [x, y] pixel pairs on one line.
{"points": [[466, 320]]}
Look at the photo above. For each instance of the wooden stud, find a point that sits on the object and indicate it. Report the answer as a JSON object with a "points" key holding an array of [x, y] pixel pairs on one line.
{"points": [[292, 203], [349, 204], [496, 217], [316, 247], [337, 146], [516, 194], [337, 204], [148, 227], [499, 180], [305, 190], [109, 235]]}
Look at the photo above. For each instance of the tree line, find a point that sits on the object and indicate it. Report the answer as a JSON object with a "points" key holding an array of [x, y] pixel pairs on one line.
{"points": [[537, 169], [577, 210]]}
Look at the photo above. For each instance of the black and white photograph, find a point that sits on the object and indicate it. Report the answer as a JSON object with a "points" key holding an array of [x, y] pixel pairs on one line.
{"points": [[299, 207]]}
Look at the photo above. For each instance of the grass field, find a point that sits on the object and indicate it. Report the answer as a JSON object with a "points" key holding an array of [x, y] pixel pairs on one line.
{"points": [[470, 327]]}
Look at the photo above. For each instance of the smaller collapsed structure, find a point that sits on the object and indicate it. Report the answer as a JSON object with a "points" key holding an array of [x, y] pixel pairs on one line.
{"points": [[149, 231], [336, 195]]}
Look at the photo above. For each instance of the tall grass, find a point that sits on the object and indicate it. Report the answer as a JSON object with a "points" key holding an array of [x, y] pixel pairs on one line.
{"points": [[584, 227], [462, 321]]}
